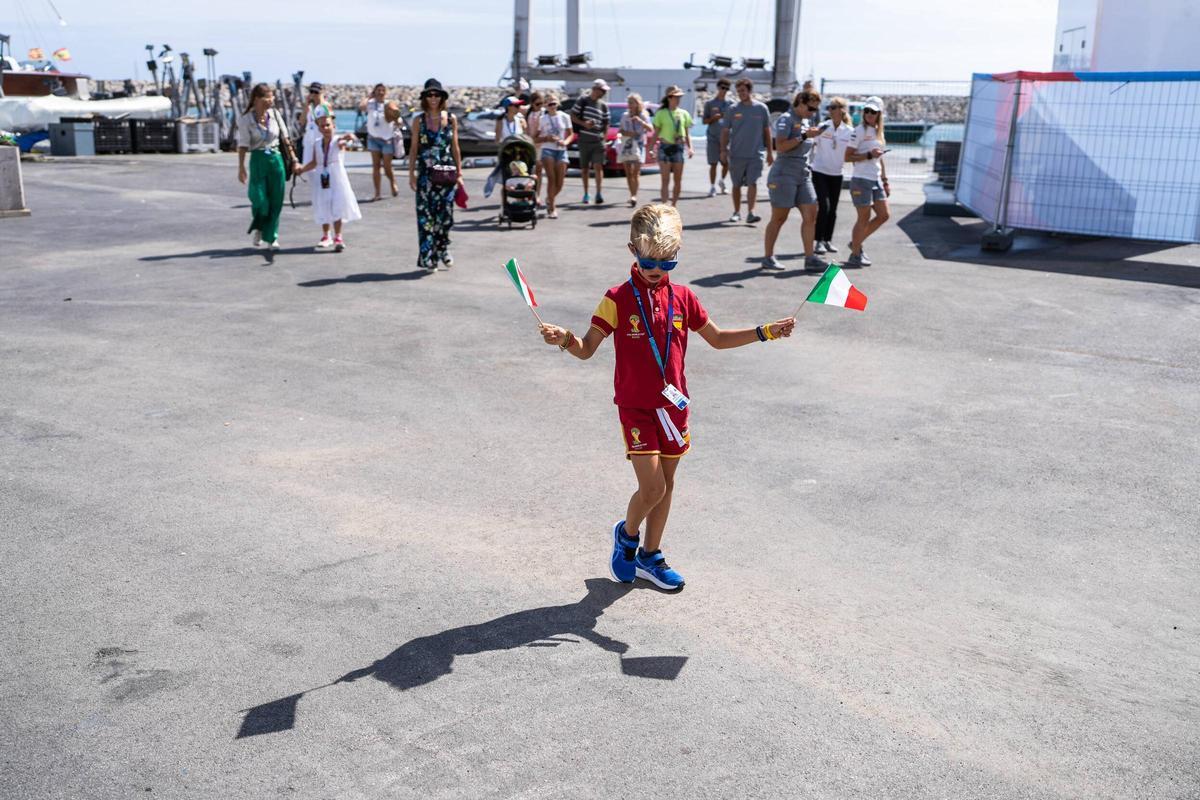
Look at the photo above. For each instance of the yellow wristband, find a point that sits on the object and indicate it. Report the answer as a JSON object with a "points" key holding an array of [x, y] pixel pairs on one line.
{"points": [[767, 331]]}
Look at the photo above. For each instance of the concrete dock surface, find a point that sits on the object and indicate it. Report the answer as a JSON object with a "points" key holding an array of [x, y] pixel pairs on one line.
{"points": [[322, 525]]}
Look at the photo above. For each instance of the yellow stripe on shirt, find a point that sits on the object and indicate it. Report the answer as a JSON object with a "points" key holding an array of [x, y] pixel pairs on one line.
{"points": [[607, 311]]}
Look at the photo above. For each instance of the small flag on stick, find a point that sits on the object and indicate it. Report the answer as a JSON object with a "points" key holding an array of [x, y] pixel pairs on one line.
{"points": [[523, 287], [62, 54], [835, 289]]}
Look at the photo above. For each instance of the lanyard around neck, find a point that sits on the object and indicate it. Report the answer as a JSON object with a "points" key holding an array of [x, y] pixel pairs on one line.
{"points": [[660, 359]]}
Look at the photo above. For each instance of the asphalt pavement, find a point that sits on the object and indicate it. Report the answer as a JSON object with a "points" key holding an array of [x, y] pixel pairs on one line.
{"points": [[322, 525]]}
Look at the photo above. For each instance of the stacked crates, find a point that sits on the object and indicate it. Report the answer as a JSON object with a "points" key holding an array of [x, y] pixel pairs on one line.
{"points": [[113, 136], [198, 136], [153, 135]]}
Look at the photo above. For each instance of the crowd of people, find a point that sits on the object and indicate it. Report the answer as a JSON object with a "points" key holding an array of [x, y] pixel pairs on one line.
{"points": [[805, 157]]}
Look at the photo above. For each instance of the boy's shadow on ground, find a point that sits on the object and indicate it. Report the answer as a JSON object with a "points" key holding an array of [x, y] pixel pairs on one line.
{"points": [[427, 658]]}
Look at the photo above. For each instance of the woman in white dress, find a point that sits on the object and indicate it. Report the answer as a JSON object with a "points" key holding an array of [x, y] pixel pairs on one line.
{"points": [[333, 200]]}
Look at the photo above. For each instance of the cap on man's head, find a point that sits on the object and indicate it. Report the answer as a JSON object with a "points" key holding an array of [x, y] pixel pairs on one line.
{"points": [[315, 86], [600, 84], [511, 101], [873, 104]]}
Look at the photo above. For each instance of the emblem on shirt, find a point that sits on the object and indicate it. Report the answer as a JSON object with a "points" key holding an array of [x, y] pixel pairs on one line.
{"points": [[678, 322], [634, 324], [636, 433]]}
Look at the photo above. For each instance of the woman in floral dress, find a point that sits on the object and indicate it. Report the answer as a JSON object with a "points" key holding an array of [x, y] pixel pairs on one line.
{"points": [[434, 150]]}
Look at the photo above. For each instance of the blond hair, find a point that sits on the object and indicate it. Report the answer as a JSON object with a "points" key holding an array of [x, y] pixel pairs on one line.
{"points": [[656, 231], [634, 97]]}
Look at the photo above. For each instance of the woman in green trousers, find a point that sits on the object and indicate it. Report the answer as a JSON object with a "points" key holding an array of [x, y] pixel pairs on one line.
{"points": [[261, 132]]}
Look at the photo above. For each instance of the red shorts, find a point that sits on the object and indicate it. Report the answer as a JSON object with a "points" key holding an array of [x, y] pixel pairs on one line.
{"points": [[649, 431]]}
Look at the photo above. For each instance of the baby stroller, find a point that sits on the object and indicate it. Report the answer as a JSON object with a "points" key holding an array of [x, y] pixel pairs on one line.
{"points": [[518, 187]]}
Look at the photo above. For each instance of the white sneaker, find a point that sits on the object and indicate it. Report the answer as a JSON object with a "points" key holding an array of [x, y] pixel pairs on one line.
{"points": [[735, 217], [819, 248], [829, 248], [712, 191], [275, 245], [256, 238], [721, 185], [325, 243], [770, 262]]}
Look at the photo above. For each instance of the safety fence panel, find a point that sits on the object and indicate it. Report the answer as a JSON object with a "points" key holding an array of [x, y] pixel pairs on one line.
{"points": [[917, 116], [1105, 154], [981, 169]]}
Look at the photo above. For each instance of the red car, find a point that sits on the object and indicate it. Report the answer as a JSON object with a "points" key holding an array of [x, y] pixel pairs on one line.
{"points": [[611, 165]]}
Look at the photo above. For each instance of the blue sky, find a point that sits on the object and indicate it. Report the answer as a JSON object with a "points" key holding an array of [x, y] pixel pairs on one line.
{"points": [[461, 42]]}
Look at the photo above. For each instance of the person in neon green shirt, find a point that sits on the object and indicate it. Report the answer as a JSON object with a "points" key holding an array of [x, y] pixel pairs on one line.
{"points": [[672, 126]]}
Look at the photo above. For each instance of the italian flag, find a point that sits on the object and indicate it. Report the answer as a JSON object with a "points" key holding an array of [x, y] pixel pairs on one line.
{"points": [[518, 279], [835, 289]]}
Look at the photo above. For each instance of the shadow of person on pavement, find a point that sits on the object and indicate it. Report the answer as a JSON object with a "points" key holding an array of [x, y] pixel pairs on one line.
{"points": [[425, 659]]}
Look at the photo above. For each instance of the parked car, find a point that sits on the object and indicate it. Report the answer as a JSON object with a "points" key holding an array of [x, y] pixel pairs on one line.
{"points": [[477, 132], [613, 143]]}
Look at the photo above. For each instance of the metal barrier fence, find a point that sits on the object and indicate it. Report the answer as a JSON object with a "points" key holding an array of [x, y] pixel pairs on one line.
{"points": [[917, 115], [1106, 154]]}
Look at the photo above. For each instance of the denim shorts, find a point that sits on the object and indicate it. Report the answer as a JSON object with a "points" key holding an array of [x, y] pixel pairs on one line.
{"points": [[377, 145], [671, 154], [559, 156]]}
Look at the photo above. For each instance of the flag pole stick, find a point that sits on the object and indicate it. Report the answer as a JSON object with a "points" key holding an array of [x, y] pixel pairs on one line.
{"points": [[796, 313], [535, 316]]}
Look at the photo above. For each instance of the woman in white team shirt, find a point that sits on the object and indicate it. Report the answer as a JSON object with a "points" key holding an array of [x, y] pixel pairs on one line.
{"points": [[869, 188], [381, 137], [828, 166]]}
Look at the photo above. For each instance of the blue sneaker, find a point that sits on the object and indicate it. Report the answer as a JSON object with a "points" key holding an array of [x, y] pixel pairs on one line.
{"points": [[621, 565], [653, 567], [586, 198]]}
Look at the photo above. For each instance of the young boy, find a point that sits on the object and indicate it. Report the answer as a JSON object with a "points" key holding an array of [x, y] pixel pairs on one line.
{"points": [[651, 318]]}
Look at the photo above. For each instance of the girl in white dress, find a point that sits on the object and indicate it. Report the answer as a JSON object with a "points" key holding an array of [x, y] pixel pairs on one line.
{"points": [[333, 200]]}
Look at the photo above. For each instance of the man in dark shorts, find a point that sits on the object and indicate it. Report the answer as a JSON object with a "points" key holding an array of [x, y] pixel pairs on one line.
{"points": [[590, 119]]}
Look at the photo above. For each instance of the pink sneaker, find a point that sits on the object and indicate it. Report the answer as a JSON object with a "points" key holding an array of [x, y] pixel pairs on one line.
{"points": [[338, 244], [325, 243]]}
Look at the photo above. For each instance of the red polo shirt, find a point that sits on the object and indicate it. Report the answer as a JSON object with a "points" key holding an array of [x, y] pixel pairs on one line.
{"points": [[638, 381]]}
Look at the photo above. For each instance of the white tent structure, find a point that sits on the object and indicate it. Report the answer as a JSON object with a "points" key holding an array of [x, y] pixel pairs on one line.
{"points": [[36, 113]]}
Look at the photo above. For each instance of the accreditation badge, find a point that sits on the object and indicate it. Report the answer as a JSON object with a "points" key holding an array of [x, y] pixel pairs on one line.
{"points": [[675, 397]]}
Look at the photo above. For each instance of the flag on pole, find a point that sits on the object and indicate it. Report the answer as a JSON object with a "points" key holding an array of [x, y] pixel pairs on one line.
{"points": [[36, 54], [62, 54], [518, 279], [835, 289]]}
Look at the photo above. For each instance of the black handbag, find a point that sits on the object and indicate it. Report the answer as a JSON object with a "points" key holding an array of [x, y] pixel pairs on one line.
{"points": [[443, 174], [285, 148]]}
